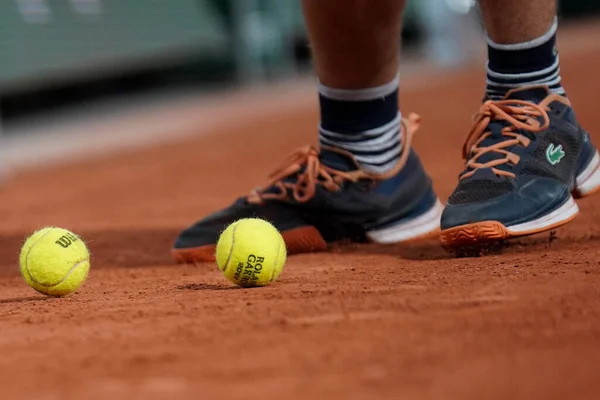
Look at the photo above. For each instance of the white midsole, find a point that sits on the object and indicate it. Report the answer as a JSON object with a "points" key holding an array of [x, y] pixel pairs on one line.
{"points": [[561, 214], [589, 179], [425, 223]]}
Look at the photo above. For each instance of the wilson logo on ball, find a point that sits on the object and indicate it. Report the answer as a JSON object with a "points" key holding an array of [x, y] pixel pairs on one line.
{"points": [[66, 240]]}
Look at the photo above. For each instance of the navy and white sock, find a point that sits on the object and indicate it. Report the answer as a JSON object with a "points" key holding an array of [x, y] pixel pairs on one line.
{"points": [[364, 122], [535, 62]]}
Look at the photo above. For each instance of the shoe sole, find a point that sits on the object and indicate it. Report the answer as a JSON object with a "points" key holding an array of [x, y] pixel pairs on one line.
{"points": [[586, 183], [307, 239]]}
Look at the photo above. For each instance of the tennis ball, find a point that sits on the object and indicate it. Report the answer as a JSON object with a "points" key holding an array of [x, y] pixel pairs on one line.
{"points": [[54, 261], [251, 252]]}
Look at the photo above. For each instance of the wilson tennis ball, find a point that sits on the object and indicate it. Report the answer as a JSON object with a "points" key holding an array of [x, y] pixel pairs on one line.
{"points": [[54, 261], [251, 252]]}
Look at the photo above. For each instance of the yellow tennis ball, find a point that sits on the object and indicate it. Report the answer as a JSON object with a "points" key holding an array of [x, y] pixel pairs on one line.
{"points": [[251, 252], [54, 261]]}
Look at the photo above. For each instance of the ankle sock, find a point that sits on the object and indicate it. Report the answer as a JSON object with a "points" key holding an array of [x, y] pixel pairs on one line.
{"points": [[535, 62], [364, 122]]}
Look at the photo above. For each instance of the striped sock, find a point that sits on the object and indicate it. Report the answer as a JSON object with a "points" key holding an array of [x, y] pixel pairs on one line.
{"points": [[364, 122], [513, 66]]}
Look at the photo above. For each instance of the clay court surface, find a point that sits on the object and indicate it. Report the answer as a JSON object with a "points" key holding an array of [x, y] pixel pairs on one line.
{"points": [[357, 322]]}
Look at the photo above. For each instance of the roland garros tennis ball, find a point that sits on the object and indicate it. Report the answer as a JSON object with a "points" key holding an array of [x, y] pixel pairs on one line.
{"points": [[251, 252], [54, 261]]}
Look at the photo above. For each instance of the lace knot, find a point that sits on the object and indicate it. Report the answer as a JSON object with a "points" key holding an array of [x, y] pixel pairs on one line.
{"points": [[299, 175]]}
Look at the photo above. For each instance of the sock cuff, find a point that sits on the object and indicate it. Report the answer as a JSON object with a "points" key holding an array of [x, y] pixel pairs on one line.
{"points": [[366, 94], [526, 45]]}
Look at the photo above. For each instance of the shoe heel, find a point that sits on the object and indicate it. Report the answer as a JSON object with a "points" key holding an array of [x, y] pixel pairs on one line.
{"points": [[588, 181], [422, 226]]}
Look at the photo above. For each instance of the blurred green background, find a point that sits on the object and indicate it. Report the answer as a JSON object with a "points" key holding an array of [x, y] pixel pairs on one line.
{"points": [[54, 51]]}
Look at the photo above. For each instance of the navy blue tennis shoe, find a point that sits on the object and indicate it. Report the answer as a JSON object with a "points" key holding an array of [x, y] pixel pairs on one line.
{"points": [[323, 196], [527, 159]]}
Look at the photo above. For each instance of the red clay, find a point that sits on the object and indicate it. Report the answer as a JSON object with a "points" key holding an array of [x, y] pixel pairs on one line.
{"points": [[360, 321]]}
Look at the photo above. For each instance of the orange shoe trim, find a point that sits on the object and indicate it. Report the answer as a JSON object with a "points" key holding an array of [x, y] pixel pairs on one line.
{"points": [[487, 231]]}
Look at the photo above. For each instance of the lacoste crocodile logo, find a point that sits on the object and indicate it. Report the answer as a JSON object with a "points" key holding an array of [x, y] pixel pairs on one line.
{"points": [[554, 153]]}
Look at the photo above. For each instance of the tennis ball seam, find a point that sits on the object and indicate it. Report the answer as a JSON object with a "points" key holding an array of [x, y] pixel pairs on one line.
{"points": [[29, 252], [231, 247], [75, 266]]}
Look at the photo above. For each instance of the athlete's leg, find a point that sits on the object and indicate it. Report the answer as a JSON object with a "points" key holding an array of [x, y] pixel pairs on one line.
{"points": [[521, 45], [514, 21], [355, 43], [364, 180], [356, 50], [527, 156]]}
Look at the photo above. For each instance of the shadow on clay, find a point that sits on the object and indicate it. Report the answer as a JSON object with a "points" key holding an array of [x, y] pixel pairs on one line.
{"points": [[24, 299], [143, 248], [431, 250], [206, 286], [425, 250]]}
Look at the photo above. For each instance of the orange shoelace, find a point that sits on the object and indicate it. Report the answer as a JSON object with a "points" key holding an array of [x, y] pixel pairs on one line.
{"points": [[520, 115], [304, 165]]}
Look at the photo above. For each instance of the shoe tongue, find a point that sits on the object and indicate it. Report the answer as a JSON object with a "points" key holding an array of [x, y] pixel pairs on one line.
{"points": [[487, 174], [339, 161], [496, 137], [534, 94]]}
